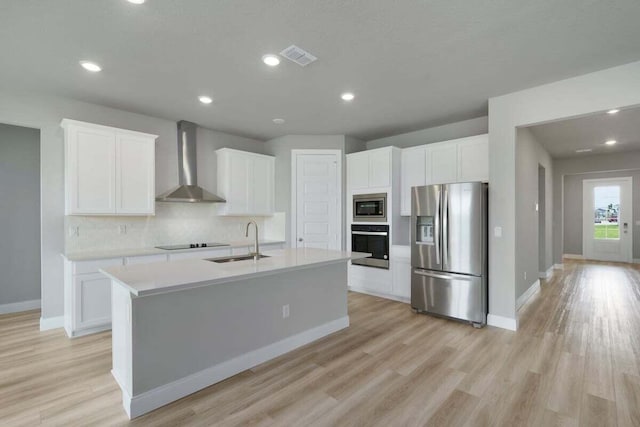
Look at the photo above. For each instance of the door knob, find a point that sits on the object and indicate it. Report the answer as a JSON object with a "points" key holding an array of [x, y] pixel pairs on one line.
{"points": [[300, 239]]}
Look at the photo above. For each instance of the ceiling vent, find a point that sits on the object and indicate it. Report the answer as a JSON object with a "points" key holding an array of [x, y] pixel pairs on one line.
{"points": [[297, 55]]}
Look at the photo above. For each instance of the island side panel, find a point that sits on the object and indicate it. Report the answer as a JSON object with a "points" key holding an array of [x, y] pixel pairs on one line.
{"points": [[121, 338], [229, 326]]}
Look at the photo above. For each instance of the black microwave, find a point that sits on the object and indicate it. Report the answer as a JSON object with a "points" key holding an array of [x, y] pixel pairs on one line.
{"points": [[370, 207]]}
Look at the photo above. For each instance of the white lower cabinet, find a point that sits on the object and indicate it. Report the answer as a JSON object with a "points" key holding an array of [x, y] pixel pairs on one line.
{"points": [[87, 296], [394, 283], [92, 293], [401, 268]]}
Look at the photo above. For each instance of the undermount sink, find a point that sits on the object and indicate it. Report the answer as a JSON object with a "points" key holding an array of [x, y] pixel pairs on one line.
{"points": [[235, 258]]}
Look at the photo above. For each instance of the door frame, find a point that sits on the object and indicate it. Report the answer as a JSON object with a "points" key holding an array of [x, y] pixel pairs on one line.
{"points": [[628, 247], [294, 190]]}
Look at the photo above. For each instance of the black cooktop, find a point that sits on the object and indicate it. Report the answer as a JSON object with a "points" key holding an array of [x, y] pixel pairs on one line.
{"points": [[191, 246]]}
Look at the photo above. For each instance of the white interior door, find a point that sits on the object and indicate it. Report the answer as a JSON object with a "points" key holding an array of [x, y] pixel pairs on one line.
{"points": [[317, 208], [607, 216]]}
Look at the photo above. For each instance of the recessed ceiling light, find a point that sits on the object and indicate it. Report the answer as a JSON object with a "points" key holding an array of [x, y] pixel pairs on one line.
{"points": [[90, 66], [611, 142], [136, 1], [615, 110], [205, 99], [584, 150], [347, 96], [271, 60], [278, 121]]}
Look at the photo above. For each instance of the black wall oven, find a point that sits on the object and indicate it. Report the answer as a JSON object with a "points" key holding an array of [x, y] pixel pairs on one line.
{"points": [[373, 239], [370, 207]]}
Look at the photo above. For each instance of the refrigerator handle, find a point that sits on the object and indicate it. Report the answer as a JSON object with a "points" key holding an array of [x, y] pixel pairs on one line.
{"points": [[444, 276], [437, 227], [445, 230]]}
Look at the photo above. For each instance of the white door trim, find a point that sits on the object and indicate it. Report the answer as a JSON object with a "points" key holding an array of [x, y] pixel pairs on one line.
{"points": [[628, 205], [294, 190]]}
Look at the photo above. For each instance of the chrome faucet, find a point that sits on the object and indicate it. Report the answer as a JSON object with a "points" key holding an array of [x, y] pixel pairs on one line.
{"points": [[256, 252]]}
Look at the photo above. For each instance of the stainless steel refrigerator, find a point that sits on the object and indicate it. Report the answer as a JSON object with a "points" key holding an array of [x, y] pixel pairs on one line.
{"points": [[449, 251]]}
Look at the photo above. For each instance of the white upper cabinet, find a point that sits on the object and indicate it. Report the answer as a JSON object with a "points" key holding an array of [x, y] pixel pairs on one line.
{"points": [[246, 181], [380, 168], [458, 160], [358, 170], [413, 173], [369, 169], [108, 171], [443, 167], [473, 159], [135, 179]]}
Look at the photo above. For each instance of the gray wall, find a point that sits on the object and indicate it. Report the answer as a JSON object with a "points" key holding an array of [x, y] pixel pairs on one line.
{"points": [[543, 250], [19, 214], [446, 132], [530, 155], [45, 113], [281, 149], [569, 174]]}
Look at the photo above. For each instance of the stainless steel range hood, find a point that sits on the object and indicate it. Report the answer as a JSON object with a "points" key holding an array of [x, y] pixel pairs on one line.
{"points": [[188, 190]]}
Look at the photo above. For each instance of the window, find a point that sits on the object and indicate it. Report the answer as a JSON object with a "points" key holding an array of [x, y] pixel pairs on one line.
{"points": [[606, 204]]}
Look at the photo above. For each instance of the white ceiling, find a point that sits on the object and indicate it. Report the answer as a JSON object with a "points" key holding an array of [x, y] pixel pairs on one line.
{"points": [[563, 138], [412, 64]]}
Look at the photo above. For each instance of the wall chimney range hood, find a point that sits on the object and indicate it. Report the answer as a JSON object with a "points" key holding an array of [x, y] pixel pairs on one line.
{"points": [[188, 190]]}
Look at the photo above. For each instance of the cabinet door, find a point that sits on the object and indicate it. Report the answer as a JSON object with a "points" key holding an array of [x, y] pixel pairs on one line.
{"points": [[413, 173], [402, 277], [380, 168], [473, 159], [91, 180], [239, 182], [92, 300], [444, 163], [262, 189], [358, 170], [135, 175]]}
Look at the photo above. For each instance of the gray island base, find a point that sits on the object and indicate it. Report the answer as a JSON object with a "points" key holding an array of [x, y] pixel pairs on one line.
{"points": [[172, 339]]}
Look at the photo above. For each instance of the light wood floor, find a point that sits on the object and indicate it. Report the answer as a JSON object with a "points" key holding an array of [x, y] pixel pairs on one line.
{"points": [[575, 361]]}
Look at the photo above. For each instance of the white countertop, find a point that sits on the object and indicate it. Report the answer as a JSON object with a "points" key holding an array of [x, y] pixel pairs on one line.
{"points": [[161, 277], [121, 253]]}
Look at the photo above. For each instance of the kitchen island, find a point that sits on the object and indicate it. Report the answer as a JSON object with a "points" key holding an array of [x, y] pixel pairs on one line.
{"points": [[180, 326]]}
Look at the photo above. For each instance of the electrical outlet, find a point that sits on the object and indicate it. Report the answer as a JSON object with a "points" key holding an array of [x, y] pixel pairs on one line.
{"points": [[497, 231], [74, 231], [525, 275], [285, 311], [122, 229]]}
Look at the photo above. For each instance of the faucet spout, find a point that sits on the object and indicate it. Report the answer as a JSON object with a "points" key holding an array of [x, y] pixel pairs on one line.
{"points": [[256, 249]]}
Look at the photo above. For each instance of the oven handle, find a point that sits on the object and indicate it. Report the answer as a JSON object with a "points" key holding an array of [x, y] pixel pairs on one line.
{"points": [[371, 233]]}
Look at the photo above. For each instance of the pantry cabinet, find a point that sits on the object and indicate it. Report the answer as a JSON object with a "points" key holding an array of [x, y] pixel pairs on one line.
{"points": [[108, 171], [247, 182]]}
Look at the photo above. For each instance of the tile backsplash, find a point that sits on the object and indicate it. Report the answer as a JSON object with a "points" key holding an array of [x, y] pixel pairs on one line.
{"points": [[173, 223]]}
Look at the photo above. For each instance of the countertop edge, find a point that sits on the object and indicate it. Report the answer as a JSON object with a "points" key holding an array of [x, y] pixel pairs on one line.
{"points": [[140, 252]]}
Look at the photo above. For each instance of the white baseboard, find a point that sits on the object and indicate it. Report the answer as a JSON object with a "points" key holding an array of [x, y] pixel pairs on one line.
{"points": [[51, 323], [559, 266], [547, 274], [502, 322], [88, 331], [16, 307], [572, 256], [380, 294], [522, 299], [140, 404]]}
